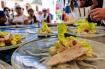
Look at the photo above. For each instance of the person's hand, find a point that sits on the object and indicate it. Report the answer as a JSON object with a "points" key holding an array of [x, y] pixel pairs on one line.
{"points": [[98, 14], [26, 22]]}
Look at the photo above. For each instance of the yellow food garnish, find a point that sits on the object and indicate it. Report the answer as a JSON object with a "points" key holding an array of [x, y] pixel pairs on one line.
{"points": [[2, 34], [15, 39], [44, 29], [62, 29], [85, 27], [13, 42], [86, 46]]}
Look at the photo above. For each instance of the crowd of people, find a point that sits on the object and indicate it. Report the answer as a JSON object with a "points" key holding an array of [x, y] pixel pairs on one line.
{"points": [[16, 16], [95, 13]]}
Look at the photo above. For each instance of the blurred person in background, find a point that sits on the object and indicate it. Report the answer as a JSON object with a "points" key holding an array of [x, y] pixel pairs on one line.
{"points": [[3, 18], [12, 13], [19, 18], [6, 11], [40, 16], [8, 16], [48, 11], [67, 8], [63, 16], [31, 17], [46, 17]]}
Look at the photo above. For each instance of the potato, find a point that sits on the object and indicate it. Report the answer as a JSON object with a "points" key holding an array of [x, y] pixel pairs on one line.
{"points": [[52, 50]]}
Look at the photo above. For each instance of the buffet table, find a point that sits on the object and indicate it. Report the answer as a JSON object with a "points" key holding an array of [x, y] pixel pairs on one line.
{"points": [[32, 54], [24, 56]]}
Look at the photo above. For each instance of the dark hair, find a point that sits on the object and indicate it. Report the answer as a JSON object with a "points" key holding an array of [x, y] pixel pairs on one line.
{"points": [[63, 9], [44, 10], [6, 8], [2, 14], [30, 10]]}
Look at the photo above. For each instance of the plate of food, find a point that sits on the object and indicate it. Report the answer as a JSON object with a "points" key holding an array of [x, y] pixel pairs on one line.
{"points": [[45, 31], [86, 29], [11, 40], [60, 53]]}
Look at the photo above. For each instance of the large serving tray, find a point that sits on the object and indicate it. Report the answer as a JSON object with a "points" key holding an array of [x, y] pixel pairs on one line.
{"points": [[31, 55]]}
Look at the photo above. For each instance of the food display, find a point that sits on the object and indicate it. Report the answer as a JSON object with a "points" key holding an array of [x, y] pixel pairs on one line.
{"points": [[66, 49], [44, 30], [84, 27], [7, 39]]}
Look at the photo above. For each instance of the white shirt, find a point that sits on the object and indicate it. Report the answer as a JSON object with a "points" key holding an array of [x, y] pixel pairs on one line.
{"points": [[20, 19], [84, 12], [103, 3], [39, 18]]}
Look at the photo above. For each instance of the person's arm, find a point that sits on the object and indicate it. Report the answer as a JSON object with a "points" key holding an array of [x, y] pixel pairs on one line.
{"points": [[35, 19], [26, 20], [12, 22]]}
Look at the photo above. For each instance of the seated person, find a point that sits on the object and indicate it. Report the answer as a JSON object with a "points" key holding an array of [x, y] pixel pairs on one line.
{"points": [[3, 18], [64, 15], [46, 17], [19, 18], [8, 16], [48, 11], [31, 17]]}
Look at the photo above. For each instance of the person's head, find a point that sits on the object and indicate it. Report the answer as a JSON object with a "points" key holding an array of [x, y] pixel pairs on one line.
{"points": [[40, 13], [3, 18], [81, 3], [6, 11], [44, 11], [31, 12], [48, 10], [18, 9]]}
